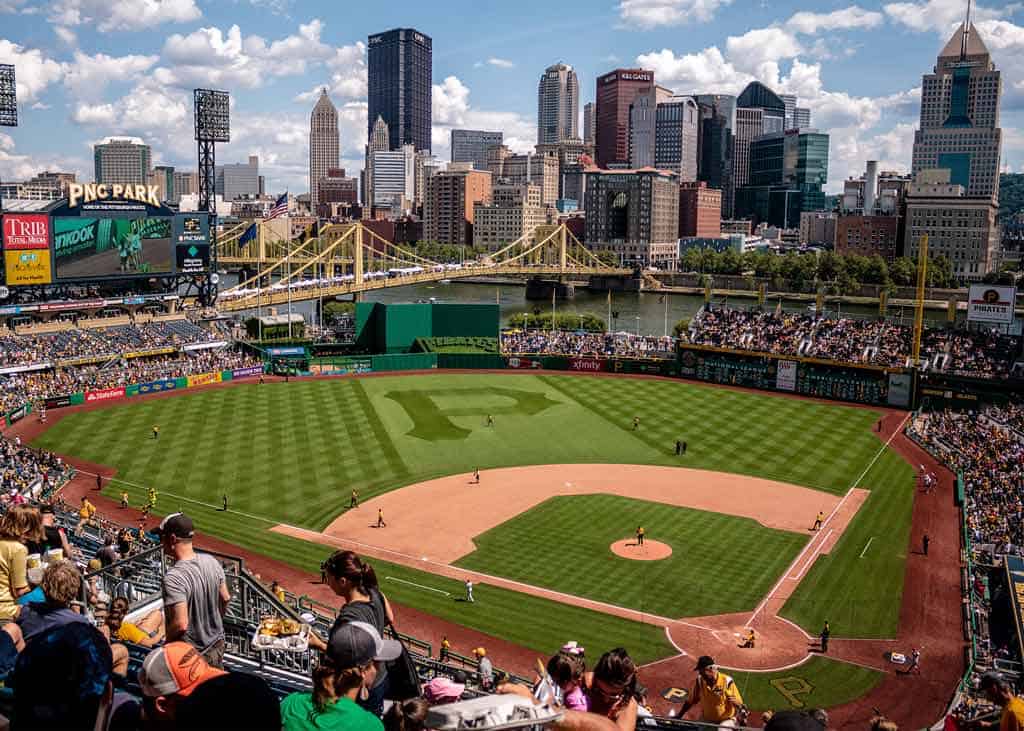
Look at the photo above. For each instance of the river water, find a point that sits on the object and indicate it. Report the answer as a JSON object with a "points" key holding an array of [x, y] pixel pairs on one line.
{"points": [[645, 312]]}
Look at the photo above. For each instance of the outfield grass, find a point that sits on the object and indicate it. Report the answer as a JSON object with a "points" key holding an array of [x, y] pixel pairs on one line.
{"points": [[817, 683], [292, 453], [562, 544]]}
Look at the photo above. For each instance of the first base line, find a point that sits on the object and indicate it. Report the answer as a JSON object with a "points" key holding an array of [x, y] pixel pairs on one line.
{"points": [[418, 586]]}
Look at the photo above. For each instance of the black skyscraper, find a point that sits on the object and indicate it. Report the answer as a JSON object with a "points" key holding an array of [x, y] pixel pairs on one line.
{"points": [[400, 64]]}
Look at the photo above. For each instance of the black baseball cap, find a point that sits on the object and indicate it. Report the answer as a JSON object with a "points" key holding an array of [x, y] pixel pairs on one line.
{"points": [[178, 525], [705, 661], [46, 508]]}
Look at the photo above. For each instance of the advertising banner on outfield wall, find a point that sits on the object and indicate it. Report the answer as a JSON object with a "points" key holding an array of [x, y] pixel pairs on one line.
{"points": [[165, 384], [586, 364], [989, 303], [57, 402], [245, 372], [1015, 580], [785, 377], [518, 362], [203, 379], [105, 394], [18, 414]]}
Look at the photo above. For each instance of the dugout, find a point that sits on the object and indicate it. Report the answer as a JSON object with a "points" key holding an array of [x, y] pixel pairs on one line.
{"points": [[394, 328]]}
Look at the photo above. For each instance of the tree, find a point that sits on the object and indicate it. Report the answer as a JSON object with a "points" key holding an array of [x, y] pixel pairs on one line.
{"points": [[940, 272], [683, 326], [563, 321], [728, 263], [876, 271], [829, 265], [691, 260], [903, 272], [334, 310]]}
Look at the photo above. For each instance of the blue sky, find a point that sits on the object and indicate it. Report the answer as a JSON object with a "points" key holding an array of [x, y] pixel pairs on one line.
{"points": [[88, 69]]}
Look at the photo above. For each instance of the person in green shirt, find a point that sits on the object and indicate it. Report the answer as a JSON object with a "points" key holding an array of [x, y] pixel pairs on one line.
{"points": [[346, 668]]}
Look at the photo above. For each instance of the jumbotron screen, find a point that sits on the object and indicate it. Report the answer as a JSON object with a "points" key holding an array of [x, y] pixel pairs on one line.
{"points": [[86, 248]]}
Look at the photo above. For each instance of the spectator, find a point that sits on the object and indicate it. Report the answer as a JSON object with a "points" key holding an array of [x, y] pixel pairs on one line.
{"points": [[440, 690], [484, 669], [195, 591], [61, 679], [999, 691], [356, 583], [611, 688], [108, 554], [347, 669], [170, 674], [409, 715], [565, 671], [53, 536], [717, 694], [149, 632], [19, 524], [61, 585], [233, 701]]}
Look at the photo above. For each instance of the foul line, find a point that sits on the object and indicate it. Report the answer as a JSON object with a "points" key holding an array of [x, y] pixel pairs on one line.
{"points": [[173, 495], [418, 586], [899, 430], [866, 546], [814, 553]]}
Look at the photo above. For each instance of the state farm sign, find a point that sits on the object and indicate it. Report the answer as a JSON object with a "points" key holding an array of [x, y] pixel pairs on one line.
{"points": [[26, 231]]}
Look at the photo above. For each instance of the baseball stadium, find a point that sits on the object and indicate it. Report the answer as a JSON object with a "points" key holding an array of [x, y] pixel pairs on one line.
{"points": [[781, 506]]}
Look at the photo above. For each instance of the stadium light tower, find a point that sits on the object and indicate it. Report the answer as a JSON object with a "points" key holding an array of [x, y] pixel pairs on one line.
{"points": [[213, 125], [8, 104]]}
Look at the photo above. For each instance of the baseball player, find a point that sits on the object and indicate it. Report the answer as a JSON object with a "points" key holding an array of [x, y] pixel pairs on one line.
{"points": [[469, 591], [380, 518], [915, 661], [490, 420], [636, 423], [640, 535], [124, 499], [353, 501], [476, 476], [818, 521], [156, 431]]}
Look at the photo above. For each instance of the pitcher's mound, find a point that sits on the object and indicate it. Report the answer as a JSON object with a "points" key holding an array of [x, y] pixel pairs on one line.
{"points": [[650, 551]]}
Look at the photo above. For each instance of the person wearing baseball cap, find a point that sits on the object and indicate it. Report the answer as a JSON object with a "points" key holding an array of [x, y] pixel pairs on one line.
{"points": [[441, 690], [169, 674], [719, 698], [195, 591], [346, 671]]}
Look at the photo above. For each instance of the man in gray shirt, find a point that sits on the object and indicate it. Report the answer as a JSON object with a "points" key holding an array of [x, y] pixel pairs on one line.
{"points": [[196, 594]]}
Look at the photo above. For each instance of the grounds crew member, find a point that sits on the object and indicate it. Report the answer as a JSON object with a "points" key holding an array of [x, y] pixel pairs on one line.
{"points": [[156, 431], [818, 520], [719, 698]]}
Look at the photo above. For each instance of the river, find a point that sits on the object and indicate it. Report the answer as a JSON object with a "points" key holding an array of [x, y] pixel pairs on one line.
{"points": [[643, 312]]}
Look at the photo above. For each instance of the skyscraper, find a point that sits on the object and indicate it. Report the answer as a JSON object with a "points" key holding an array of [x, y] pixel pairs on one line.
{"points": [[677, 133], [558, 105], [239, 180], [960, 134], [616, 91], [589, 122], [378, 143], [323, 144], [470, 145], [399, 69], [715, 155], [773, 109], [960, 115], [121, 161], [642, 117]]}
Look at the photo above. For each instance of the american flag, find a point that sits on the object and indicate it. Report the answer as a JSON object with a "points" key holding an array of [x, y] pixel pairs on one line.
{"points": [[280, 208]]}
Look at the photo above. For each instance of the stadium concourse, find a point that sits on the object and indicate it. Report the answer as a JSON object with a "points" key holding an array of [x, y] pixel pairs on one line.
{"points": [[984, 446]]}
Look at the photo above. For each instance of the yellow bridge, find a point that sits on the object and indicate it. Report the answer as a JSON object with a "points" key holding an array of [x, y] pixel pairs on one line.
{"points": [[348, 259]]}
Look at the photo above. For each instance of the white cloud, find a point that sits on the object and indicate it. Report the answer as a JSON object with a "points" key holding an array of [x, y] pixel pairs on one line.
{"points": [[14, 166], [845, 19], [33, 73], [123, 14], [211, 56], [147, 110], [704, 71], [501, 63], [348, 77], [941, 16], [12, 6], [758, 50], [452, 109], [646, 14], [87, 77], [65, 35]]}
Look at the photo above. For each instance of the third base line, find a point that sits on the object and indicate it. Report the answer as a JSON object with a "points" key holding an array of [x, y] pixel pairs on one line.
{"points": [[418, 586], [866, 546]]}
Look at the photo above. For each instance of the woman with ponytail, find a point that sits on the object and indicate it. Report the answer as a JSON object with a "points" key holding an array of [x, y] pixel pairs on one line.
{"points": [[356, 584], [347, 671], [407, 715]]}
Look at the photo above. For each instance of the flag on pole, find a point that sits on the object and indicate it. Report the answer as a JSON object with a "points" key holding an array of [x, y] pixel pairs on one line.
{"points": [[249, 235], [280, 208]]}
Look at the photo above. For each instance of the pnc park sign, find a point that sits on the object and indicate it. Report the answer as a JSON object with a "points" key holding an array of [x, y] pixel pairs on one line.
{"points": [[91, 192]]}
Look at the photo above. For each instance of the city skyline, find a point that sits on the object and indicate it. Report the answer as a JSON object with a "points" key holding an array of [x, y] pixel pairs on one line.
{"points": [[131, 73]]}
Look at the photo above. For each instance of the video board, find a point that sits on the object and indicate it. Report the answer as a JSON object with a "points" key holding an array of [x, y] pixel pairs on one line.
{"points": [[89, 248]]}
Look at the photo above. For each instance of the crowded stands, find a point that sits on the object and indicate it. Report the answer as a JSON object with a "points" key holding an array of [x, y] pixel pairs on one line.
{"points": [[581, 343], [978, 354]]}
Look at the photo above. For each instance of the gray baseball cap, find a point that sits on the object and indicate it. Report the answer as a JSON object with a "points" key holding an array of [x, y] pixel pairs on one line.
{"points": [[355, 644]]}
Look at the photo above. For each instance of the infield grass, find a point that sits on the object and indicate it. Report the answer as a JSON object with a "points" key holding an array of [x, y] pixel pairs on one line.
{"points": [[562, 544], [291, 453], [817, 683]]}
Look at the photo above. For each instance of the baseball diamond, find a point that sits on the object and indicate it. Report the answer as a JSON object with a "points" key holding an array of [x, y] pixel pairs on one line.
{"points": [[563, 474]]}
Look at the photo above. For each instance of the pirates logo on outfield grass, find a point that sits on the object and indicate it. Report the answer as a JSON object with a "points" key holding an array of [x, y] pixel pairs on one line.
{"points": [[432, 410]]}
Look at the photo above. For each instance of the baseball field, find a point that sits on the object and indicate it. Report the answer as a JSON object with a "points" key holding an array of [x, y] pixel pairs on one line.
{"points": [[568, 466]]}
